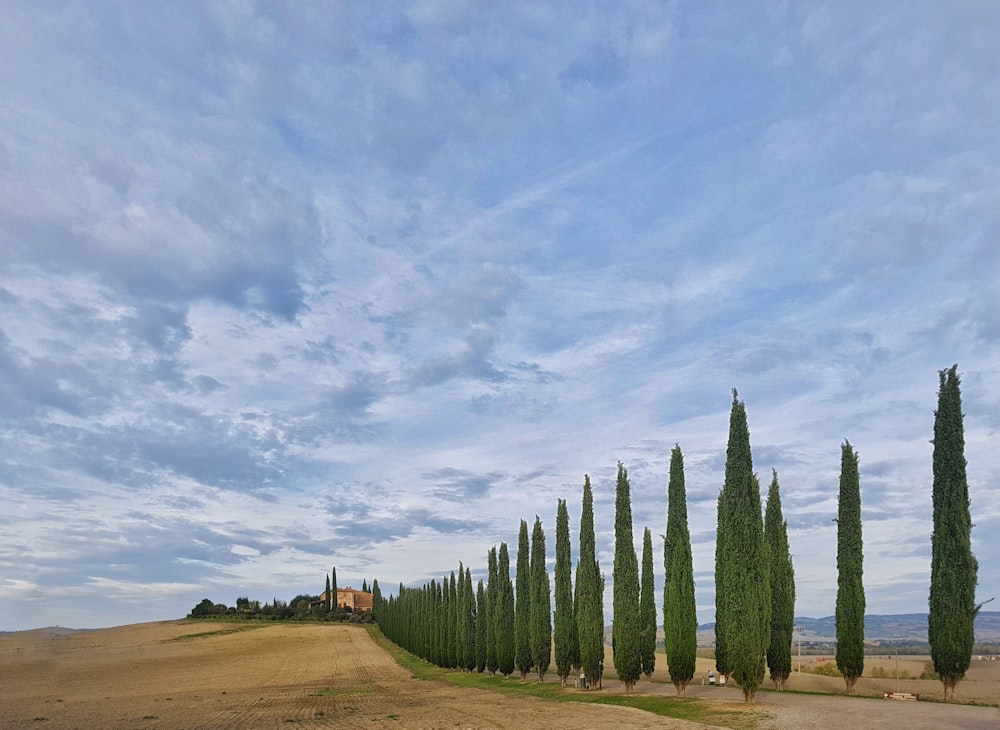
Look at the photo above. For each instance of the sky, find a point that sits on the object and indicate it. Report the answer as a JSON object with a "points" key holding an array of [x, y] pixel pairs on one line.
{"points": [[288, 286]]}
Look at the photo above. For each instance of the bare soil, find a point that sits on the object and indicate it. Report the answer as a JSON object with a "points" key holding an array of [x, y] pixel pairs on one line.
{"points": [[188, 674]]}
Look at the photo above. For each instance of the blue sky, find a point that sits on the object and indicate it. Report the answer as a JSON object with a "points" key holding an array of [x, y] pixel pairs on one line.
{"points": [[288, 286]]}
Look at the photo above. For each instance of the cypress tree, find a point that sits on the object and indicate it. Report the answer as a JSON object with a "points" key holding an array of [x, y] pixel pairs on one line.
{"points": [[333, 590], [504, 614], [563, 621], [647, 608], [327, 594], [458, 607], [953, 567], [468, 606], [522, 604], [489, 613], [364, 585], [589, 599], [680, 618], [434, 624], [627, 624], [461, 625], [779, 654], [482, 614], [540, 610], [451, 609], [850, 564], [743, 588]]}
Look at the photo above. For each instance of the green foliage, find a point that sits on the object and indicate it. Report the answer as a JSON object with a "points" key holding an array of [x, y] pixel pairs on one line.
{"points": [[647, 608], [680, 618], [489, 612], [205, 608], [743, 588], [850, 613], [954, 569], [504, 615], [564, 622], [929, 671], [451, 617], [589, 598], [826, 669], [482, 619], [522, 604], [627, 625], [540, 610], [467, 617], [779, 653], [333, 590]]}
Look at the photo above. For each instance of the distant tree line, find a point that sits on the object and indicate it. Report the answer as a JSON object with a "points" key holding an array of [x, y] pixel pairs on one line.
{"points": [[302, 607]]}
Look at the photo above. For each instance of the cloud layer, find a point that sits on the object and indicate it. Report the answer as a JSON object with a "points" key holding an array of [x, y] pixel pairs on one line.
{"points": [[294, 286]]}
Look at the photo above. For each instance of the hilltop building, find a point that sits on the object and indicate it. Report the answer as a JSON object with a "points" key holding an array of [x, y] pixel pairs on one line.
{"points": [[355, 600]]}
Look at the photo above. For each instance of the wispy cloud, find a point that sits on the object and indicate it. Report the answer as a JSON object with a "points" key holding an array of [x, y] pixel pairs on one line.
{"points": [[364, 286]]}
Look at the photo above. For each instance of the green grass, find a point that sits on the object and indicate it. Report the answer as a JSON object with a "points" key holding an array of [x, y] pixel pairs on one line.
{"points": [[218, 632], [680, 708], [341, 692]]}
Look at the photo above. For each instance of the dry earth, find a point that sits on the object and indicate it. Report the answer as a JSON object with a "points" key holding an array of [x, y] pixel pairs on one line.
{"points": [[186, 674]]}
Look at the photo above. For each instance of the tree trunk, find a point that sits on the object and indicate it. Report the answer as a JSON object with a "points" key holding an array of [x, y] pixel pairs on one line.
{"points": [[681, 688], [849, 684], [949, 688]]}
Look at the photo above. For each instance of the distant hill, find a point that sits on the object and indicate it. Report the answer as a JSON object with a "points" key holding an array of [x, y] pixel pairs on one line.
{"points": [[903, 628]]}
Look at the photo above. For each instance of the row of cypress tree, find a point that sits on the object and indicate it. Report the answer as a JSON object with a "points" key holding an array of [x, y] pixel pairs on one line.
{"points": [[503, 626], [506, 627], [501, 629]]}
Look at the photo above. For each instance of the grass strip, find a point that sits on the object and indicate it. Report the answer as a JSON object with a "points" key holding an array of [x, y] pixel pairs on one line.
{"points": [[691, 709], [217, 632]]}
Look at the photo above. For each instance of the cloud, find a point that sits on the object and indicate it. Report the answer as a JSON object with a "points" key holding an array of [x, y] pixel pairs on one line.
{"points": [[283, 290]]}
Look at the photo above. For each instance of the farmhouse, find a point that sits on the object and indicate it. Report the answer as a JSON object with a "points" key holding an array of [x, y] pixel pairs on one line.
{"points": [[356, 601]]}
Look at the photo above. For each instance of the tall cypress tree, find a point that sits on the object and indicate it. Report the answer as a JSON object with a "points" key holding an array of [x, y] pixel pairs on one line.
{"points": [[627, 625], [563, 621], [779, 654], [680, 618], [492, 588], [468, 606], [953, 567], [742, 583], [522, 604], [440, 609], [504, 614], [452, 609], [589, 599], [333, 590], [482, 614], [462, 639], [327, 594], [850, 614], [540, 611], [647, 607]]}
